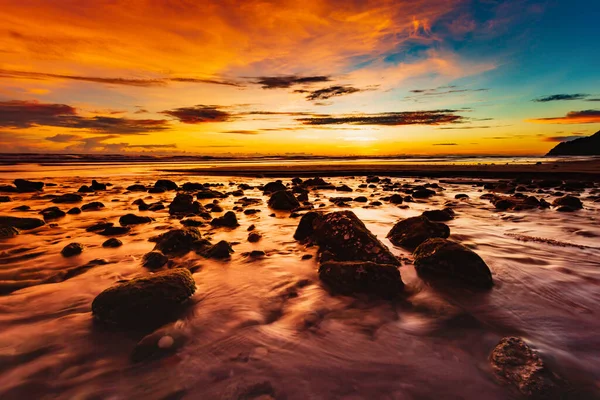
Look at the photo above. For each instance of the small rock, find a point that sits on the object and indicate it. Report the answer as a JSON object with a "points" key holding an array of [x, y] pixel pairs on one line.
{"points": [[74, 211], [112, 243], [51, 213], [72, 249], [7, 232], [221, 250], [411, 232], [67, 198], [228, 220], [132, 219], [154, 260], [283, 200], [570, 201], [93, 206], [254, 237]]}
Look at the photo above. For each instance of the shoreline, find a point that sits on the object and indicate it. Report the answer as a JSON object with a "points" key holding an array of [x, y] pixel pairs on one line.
{"points": [[571, 170]]}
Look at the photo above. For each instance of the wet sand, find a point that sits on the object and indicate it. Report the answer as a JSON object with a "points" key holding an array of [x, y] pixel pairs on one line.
{"points": [[268, 327]]}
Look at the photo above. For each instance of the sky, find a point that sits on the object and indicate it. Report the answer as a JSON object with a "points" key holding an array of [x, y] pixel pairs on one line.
{"points": [[322, 77]]}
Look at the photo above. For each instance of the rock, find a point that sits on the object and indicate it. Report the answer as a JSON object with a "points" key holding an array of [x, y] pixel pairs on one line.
{"points": [[137, 188], [361, 199], [343, 188], [178, 240], [461, 196], [283, 200], [422, 193], [442, 258], [51, 213], [251, 228], [145, 302], [515, 362], [352, 277], [22, 208], [72, 249], [93, 206], [4, 199], [166, 184], [192, 222], [348, 239], [251, 211], [98, 186], [228, 220], [99, 226], [112, 243], [67, 198], [210, 194], [411, 232], [74, 211], [315, 182], [157, 190], [396, 199], [305, 227], [504, 204], [154, 260], [7, 232], [273, 187], [115, 230], [586, 146], [132, 219], [192, 186], [85, 189], [446, 214], [23, 224], [8, 189], [161, 343], [254, 237], [566, 209], [255, 254], [156, 206], [569, 201], [25, 186], [185, 204], [219, 251]]}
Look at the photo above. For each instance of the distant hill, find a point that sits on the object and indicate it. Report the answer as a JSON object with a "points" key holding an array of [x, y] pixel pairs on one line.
{"points": [[588, 146]]}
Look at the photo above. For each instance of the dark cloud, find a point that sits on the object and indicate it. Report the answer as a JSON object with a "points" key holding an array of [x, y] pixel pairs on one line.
{"points": [[466, 127], [560, 97], [199, 114], [282, 82], [593, 100], [26, 114], [441, 91], [331, 91], [563, 138], [434, 117], [573, 117], [113, 81], [445, 144], [243, 132], [64, 138]]}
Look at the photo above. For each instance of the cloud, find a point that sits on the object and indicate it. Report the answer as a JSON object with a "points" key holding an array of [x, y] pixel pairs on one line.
{"points": [[4, 73], [243, 132], [199, 114], [560, 97], [331, 91], [26, 114], [441, 91], [434, 117], [563, 138], [64, 138], [573, 117], [445, 144], [283, 82]]}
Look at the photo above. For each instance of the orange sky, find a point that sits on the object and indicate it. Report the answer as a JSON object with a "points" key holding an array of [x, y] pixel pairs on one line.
{"points": [[272, 77]]}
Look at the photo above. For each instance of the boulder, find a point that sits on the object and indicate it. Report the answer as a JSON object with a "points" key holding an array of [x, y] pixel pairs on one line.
{"points": [[353, 277], [219, 251], [51, 213], [516, 363], [72, 249], [74, 211], [137, 188], [154, 260], [132, 219], [348, 239], [305, 227], [97, 185], [283, 200], [228, 220], [569, 201], [192, 186], [396, 199], [25, 186], [411, 232], [178, 240], [343, 188], [145, 302], [21, 223], [184, 204], [67, 198], [273, 187], [442, 258], [112, 243], [166, 184]]}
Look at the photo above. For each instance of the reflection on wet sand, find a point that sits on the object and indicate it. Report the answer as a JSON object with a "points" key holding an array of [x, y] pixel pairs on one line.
{"points": [[261, 322]]}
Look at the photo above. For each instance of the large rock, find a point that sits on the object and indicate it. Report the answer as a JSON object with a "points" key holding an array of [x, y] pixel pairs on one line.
{"points": [[514, 362], [228, 220], [442, 258], [411, 232], [178, 240], [145, 302], [305, 227], [346, 237], [184, 204], [353, 277], [25, 186], [568, 201], [154, 260], [283, 200], [132, 219], [21, 223]]}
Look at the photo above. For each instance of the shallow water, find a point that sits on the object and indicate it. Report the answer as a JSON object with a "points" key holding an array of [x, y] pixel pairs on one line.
{"points": [[243, 327]]}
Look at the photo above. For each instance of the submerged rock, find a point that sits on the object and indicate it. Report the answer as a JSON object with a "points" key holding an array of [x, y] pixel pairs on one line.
{"points": [[568, 201], [273, 187], [228, 220], [219, 251], [348, 239], [514, 362], [25, 186], [184, 204], [352, 277], [166, 184], [411, 232], [74, 211], [283, 200], [21, 223], [52, 213], [115, 230], [112, 243], [7, 232], [137, 188], [132, 219], [4, 199], [93, 206], [442, 258], [145, 302], [446, 214], [72, 249], [67, 198]]}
